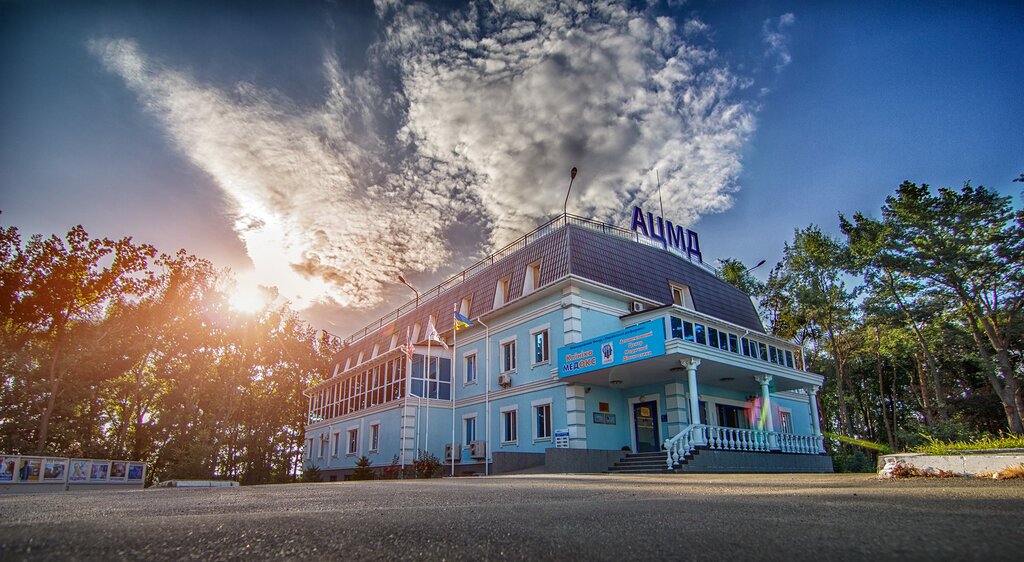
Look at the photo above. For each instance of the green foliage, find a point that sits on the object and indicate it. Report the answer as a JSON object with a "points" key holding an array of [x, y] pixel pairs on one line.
{"points": [[427, 466], [985, 443], [363, 471], [310, 473], [109, 350], [863, 443], [854, 460]]}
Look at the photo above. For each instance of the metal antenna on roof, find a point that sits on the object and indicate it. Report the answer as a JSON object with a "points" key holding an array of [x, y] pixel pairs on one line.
{"points": [[660, 203]]}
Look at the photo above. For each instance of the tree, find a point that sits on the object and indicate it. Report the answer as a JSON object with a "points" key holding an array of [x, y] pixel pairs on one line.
{"points": [[970, 244]]}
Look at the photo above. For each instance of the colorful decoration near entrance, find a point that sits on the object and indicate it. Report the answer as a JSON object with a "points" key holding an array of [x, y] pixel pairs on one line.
{"points": [[635, 343]]}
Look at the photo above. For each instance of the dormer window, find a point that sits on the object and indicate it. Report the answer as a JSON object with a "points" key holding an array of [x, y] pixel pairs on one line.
{"points": [[501, 292], [394, 342], [376, 349], [464, 307], [681, 296], [531, 280], [416, 332]]}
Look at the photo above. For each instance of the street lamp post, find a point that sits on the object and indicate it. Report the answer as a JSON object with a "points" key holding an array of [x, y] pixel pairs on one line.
{"points": [[572, 177], [406, 283]]}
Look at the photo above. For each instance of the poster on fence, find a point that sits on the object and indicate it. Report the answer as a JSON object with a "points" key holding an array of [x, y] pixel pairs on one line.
{"points": [[136, 471], [99, 472], [7, 469], [53, 470], [118, 471], [31, 470], [79, 471]]}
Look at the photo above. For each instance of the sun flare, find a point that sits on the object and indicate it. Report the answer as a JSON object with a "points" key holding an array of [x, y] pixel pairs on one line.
{"points": [[249, 300]]}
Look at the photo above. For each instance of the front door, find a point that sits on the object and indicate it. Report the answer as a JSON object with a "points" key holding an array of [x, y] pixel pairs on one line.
{"points": [[645, 422]]}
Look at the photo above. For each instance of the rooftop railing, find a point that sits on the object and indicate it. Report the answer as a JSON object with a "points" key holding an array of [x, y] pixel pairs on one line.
{"points": [[547, 228]]}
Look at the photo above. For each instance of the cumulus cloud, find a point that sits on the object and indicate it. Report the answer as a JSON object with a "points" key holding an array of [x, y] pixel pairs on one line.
{"points": [[494, 103], [526, 90], [774, 36]]}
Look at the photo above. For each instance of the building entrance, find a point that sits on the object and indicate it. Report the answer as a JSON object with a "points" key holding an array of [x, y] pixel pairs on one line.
{"points": [[645, 423]]}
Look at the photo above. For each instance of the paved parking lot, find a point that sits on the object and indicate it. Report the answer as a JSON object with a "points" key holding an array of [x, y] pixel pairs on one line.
{"points": [[537, 517]]}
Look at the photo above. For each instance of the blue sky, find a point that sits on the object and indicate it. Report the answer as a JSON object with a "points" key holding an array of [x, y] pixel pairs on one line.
{"points": [[325, 147]]}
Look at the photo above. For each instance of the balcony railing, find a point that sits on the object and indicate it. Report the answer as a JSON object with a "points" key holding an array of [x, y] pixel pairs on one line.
{"points": [[547, 228], [736, 439], [694, 327]]}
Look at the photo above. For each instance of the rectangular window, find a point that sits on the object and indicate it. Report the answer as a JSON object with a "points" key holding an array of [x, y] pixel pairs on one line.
{"points": [[309, 449], [677, 327], [688, 331], [470, 377], [540, 347], [323, 446], [745, 344], [764, 350], [789, 359], [542, 425], [723, 340], [531, 281], [773, 355], [681, 296], [469, 430], [501, 292], [712, 337], [785, 421], [508, 356], [733, 346], [374, 437], [701, 336], [353, 441], [510, 426], [336, 446]]}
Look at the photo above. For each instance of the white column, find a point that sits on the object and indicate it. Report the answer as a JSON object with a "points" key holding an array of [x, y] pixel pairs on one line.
{"points": [[766, 409], [576, 415], [691, 365], [812, 393], [675, 403]]}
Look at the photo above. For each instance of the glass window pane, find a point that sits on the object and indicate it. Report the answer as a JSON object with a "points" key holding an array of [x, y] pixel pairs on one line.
{"points": [[733, 344], [688, 331], [764, 350], [745, 344], [677, 327], [701, 336], [712, 337], [789, 359]]}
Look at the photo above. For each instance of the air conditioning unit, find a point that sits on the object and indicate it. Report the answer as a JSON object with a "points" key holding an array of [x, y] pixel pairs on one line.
{"points": [[505, 380], [478, 449], [636, 306], [448, 452]]}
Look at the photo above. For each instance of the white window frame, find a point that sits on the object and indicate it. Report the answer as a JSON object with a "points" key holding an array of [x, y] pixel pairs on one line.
{"points": [[465, 368], [350, 442], [533, 355], [501, 291], [501, 355], [336, 447], [374, 432], [323, 446], [531, 281], [788, 412], [535, 407], [504, 422], [686, 298], [465, 437], [309, 449]]}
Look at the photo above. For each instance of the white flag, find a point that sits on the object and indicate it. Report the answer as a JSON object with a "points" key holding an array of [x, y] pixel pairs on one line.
{"points": [[434, 336]]}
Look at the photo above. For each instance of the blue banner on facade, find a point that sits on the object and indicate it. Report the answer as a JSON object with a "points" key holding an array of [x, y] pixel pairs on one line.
{"points": [[635, 343]]}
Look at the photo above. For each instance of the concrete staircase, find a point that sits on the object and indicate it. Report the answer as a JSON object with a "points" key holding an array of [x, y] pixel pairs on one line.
{"points": [[641, 463]]}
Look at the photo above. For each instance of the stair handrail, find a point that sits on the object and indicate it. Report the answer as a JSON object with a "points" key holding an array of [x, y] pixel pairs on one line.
{"points": [[683, 443]]}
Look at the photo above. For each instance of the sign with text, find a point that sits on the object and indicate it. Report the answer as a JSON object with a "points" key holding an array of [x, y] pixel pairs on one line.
{"points": [[635, 343]]}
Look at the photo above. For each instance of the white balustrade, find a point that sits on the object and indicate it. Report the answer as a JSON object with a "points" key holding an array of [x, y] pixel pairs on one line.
{"points": [[736, 439]]}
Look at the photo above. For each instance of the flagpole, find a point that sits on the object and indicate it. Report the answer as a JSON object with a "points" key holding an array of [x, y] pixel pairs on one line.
{"points": [[405, 398], [426, 379], [455, 347]]}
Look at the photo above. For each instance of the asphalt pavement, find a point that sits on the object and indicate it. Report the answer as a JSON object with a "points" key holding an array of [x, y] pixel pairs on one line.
{"points": [[531, 517]]}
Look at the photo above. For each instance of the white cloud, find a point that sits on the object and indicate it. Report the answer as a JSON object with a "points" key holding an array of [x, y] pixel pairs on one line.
{"points": [[494, 103], [773, 34]]}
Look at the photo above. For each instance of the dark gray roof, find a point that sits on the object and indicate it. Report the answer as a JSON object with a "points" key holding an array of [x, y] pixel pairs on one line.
{"points": [[604, 258]]}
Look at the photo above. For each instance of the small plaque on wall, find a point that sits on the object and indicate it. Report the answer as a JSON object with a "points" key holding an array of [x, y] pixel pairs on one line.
{"points": [[605, 419]]}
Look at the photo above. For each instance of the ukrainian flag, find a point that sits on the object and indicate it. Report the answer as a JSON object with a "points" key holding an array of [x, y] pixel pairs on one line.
{"points": [[461, 321]]}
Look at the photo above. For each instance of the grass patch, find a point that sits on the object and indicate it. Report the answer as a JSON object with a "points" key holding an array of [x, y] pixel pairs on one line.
{"points": [[935, 447]]}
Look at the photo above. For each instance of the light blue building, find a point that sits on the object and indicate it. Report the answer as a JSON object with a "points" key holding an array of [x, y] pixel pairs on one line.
{"points": [[593, 348]]}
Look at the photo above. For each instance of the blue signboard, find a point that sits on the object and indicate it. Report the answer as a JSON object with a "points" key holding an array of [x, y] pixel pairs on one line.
{"points": [[635, 343]]}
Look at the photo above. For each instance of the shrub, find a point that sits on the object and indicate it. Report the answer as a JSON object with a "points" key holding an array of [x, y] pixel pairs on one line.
{"points": [[363, 470], [391, 471], [988, 442], [919, 435], [427, 466], [311, 473], [852, 461]]}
